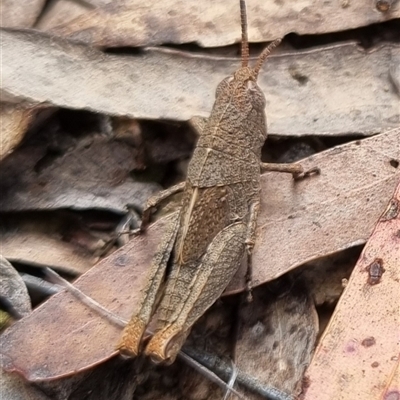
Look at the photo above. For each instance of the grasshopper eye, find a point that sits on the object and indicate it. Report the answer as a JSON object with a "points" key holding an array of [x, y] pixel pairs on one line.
{"points": [[251, 85]]}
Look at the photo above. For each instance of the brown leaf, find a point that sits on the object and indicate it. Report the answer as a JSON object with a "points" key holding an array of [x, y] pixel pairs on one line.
{"points": [[358, 355], [276, 336], [35, 347], [14, 122], [20, 14], [304, 221], [334, 90], [13, 289], [40, 240], [214, 23], [298, 222]]}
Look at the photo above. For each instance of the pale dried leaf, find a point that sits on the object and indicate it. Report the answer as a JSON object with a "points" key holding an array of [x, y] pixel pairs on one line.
{"points": [[335, 90], [20, 14], [15, 120], [13, 289], [358, 355], [60, 11], [13, 387], [213, 23], [298, 222]]}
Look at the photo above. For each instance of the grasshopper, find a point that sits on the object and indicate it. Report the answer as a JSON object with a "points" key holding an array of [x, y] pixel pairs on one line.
{"points": [[215, 227]]}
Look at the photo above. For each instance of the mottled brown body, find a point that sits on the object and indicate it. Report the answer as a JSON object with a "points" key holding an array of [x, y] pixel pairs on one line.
{"points": [[217, 218]]}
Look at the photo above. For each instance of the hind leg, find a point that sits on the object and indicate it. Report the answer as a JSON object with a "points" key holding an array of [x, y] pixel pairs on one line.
{"points": [[205, 285]]}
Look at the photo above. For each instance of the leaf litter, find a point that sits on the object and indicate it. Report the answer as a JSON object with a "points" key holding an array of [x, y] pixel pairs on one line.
{"points": [[92, 171], [116, 281], [329, 76]]}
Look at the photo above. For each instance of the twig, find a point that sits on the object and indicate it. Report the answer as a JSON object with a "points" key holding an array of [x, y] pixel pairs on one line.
{"points": [[120, 322], [84, 298], [223, 369]]}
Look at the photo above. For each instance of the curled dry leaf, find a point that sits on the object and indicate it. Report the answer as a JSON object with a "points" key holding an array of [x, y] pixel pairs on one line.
{"points": [[58, 241], [213, 23], [325, 277], [298, 222], [95, 173], [358, 355], [20, 14], [15, 119], [60, 11], [13, 289], [309, 92]]}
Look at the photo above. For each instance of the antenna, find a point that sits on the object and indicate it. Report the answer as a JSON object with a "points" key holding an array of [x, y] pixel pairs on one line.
{"points": [[245, 40], [265, 53]]}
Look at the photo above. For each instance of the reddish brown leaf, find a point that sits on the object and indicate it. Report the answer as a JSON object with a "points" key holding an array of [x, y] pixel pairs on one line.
{"points": [[63, 336], [358, 355]]}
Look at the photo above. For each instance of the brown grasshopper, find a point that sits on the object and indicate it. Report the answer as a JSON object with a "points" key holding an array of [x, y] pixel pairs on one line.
{"points": [[217, 220]]}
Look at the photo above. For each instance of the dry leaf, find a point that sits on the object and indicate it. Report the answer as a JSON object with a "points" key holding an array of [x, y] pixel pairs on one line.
{"points": [[93, 173], [13, 387], [325, 277], [276, 336], [60, 11], [304, 221], [114, 282], [45, 240], [20, 14], [298, 222], [358, 355], [334, 90], [113, 380], [15, 120], [216, 23], [13, 289]]}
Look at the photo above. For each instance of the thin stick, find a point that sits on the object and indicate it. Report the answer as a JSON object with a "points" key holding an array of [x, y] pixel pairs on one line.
{"points": [[120, 322], [222, 368], [84, 298], [232, 380], [245, 40], [208, 373]]}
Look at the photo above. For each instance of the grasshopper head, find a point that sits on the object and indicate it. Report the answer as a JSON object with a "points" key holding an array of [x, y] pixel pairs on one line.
{"points": [[238, 111], [239, 108]]}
